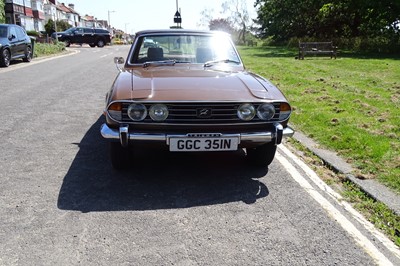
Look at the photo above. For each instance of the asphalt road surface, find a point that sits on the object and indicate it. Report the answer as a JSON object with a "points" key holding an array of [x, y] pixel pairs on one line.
{"points": [[63, 204]]}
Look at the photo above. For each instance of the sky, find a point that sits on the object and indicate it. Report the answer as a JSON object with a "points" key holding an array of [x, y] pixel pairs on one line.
{"points": [[135, 15]]}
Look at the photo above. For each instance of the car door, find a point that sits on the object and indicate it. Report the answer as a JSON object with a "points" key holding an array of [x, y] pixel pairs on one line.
{"points": [[22, 40], [14, 43], [78, 36], [89, 35]]}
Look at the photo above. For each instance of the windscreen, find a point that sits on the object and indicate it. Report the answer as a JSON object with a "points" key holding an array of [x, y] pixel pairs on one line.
{"points": [[184, 48]]}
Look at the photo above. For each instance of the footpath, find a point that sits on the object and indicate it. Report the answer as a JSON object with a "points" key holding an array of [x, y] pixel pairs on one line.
{"points": [[370, 186]]}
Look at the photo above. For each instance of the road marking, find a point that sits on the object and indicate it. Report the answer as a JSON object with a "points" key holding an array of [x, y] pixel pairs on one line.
{"points": [[360, 239], [339, 200], [105, 55]]}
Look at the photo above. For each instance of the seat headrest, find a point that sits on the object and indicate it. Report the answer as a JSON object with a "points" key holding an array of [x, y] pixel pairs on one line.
{"points": [[203, 55], [155, 53]]}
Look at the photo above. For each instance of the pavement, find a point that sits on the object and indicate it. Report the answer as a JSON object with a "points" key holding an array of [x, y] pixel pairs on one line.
{"points": [[370, 186]]}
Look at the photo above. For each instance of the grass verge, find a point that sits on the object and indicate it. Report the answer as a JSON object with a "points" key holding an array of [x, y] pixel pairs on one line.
{"points": [[350, 105], [44, 49]]}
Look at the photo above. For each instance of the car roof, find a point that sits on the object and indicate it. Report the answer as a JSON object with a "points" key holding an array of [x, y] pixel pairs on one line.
{"points": [[9, 25], [179, 31]]}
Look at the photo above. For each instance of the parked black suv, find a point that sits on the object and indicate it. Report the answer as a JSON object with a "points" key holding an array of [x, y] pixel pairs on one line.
{"points": [[80, 35], [14, 44]]}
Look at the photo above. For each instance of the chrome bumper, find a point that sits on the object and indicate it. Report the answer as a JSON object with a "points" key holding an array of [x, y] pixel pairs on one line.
{"points": [[124, 136]]}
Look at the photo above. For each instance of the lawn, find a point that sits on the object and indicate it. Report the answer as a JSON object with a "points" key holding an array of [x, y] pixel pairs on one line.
{"points": [[350, 105]]}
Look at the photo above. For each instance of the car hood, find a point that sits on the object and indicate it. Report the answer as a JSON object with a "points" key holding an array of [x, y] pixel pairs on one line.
{"points": [[191, 84]]}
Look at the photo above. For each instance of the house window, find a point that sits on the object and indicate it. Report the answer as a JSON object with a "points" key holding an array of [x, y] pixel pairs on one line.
{"points": [[28, 3]]}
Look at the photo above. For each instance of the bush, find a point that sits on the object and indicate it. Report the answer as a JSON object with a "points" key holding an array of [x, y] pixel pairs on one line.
{"points": [[42, 49]]}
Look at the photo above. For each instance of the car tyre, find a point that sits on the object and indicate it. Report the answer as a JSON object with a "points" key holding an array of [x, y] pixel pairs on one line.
{"points": [[28, 54], [67, 43], [92, 45], [100, 43], [262, 155], [119, 156], [5, 58]]}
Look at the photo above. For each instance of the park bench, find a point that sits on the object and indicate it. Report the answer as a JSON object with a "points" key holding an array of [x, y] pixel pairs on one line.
{"points": [[251, 43], [316, 48]]}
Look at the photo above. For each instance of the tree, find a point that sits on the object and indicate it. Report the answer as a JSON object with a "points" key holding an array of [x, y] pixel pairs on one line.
{"points": [[221, 24], [239, 16], [63, 25], [49, 27], [2, 14], [206, 17], [285, 19]]}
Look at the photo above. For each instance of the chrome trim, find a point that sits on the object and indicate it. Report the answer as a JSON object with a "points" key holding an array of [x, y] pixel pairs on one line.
{"points": [[114, 134], [287, 132], [124, 135], [256, 137]]}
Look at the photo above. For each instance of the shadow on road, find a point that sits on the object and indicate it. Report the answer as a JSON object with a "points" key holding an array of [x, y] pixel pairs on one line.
{"points": [[158, 180]]}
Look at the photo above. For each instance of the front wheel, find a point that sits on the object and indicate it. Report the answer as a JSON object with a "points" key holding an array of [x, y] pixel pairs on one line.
{"points": [[5, 58], [119, 156], [67, 43], [262, 155]]}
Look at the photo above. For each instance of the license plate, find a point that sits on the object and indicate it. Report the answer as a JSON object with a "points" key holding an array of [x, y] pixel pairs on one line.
{"points": [[203, 144]]}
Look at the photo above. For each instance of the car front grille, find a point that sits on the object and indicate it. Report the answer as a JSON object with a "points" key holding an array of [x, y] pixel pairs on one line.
{"points": [[201, 113]]}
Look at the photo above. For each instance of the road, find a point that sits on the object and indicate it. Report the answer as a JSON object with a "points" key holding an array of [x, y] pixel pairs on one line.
{"points": [[63, 204]]}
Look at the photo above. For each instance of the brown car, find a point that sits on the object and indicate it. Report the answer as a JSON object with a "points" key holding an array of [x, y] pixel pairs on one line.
{"points": [[190, 92]]}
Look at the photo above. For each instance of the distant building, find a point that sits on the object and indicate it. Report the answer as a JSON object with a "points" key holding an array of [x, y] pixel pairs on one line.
{"points": [[20, 12], [34, 14], [68, 14]]}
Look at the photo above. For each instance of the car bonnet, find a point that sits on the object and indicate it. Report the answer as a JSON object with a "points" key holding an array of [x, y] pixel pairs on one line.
{"points": [[186, 84]]}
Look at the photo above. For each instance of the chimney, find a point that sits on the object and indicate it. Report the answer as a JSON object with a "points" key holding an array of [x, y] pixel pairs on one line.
{"points": [[72, 6]]}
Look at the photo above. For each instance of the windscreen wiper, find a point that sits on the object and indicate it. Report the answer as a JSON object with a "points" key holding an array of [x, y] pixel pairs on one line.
{"points": [[159, 63], [211, 63]]}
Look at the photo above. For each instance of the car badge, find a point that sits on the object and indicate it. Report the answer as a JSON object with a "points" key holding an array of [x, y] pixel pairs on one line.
{"points": [[204, 112]]}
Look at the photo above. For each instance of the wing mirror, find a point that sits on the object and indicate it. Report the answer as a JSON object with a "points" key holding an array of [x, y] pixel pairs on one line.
{"points": [[118, 62]]}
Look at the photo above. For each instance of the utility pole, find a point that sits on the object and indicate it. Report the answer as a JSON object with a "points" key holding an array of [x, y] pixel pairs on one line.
{"points": [[109, 21]]}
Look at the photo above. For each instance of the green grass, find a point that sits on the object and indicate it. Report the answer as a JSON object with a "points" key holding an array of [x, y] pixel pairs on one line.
{"points": [[376, 212], [350, 105], [44, 49]]}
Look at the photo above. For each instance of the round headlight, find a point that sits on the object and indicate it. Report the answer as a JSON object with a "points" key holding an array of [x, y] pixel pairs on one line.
{"points": [[137, 111], [266, 111], [158, 112], [246, 112]]}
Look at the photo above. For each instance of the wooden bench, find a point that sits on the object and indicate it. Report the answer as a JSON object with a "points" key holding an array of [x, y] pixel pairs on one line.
{"points": [[316, 48]]}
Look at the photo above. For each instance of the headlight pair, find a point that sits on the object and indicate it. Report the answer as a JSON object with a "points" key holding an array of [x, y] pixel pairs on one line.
{"points": [[247, 111], [138, 112]]}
